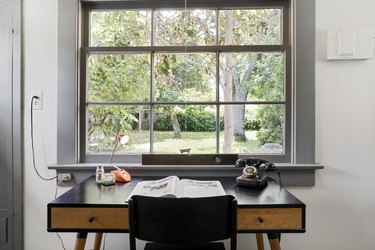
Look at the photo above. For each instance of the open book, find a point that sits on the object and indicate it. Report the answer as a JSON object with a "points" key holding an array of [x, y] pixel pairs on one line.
{"points": [[172, 186]]}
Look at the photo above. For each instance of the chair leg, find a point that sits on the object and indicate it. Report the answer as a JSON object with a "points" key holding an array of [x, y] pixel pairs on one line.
{"points": [[260, 242], [98, 241], [274, 240], [80, 241]]}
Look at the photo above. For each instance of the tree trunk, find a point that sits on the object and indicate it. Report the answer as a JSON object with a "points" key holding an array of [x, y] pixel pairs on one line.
{"points": [[176, 126], [140, 118], [238, 123], [228, 124], [240, 94]]}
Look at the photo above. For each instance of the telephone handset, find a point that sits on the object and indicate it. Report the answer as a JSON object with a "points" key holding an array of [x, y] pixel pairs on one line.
{"points": [[253, 172]]}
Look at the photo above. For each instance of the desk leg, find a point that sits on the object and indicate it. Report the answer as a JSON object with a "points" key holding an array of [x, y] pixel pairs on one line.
{"points": [[98, 241], [260, 242], [274, 240], [80, 241]]}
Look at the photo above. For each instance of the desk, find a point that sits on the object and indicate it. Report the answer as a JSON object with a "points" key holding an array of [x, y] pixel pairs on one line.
{"points": [[89, 207]]}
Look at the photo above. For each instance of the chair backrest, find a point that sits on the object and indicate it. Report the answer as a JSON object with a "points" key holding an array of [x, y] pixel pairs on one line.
{"points": [[182, 220]]}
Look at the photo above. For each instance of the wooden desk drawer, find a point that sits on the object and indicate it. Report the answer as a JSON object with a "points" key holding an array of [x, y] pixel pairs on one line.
{"points": [[117, 218], [89, 218], [269, 218]]}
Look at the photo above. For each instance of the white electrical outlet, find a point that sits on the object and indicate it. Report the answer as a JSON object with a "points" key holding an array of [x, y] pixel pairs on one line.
{"points": [[37, 102], [64, 177]]}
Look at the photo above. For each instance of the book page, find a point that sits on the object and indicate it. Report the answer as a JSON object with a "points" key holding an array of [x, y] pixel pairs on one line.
{"points": [[156, 188], [195, 188]]}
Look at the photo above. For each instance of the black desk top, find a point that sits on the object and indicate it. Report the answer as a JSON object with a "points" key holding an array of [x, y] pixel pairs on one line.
{"points": [[90, 194]]}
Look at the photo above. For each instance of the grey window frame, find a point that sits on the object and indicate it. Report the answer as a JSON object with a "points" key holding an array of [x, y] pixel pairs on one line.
{"points": [[301, 105]]}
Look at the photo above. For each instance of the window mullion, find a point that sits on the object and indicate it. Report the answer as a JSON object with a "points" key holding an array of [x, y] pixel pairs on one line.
{"points": [[190, 49], [152, 67], [217, 102], [217, 86], [152, 101]]}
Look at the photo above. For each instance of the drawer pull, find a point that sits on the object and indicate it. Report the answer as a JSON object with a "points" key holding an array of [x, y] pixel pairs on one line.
{"points": [[260, 219], [91, 220]]}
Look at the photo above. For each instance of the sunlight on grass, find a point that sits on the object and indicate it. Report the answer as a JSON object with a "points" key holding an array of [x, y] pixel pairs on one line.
{"points": [[199, 142]]}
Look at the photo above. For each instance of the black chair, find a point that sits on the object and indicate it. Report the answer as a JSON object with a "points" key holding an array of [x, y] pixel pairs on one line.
{"points": [[183, 223]]}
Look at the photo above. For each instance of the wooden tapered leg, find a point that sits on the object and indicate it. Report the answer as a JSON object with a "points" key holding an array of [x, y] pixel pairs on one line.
{"points": [[80, 241], [274, 240], [98, 241], [260, 242], [274, 244]]}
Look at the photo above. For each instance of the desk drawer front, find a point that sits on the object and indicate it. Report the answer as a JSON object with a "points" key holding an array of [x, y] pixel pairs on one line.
{"points": [[269, 218], [117, 218], [89, 218]]}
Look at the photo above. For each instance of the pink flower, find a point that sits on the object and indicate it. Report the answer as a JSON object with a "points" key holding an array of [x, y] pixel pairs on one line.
{"points": [[119, 136], [122, 138]]}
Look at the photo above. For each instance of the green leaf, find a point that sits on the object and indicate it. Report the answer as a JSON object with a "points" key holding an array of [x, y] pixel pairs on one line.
{"points": [[191, 33]]}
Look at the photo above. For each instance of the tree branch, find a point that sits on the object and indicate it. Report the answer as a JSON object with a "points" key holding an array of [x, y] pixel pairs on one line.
{"points": [[192, 62], [251, 67]]}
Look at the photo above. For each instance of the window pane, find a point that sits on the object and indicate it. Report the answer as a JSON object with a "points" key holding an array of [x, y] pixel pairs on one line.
{"points": [[185, 127], [120, 28], [119, 77], [106, 121], [252, 76], [250, 27], [185, 28], [252, 129], [185, 77]]}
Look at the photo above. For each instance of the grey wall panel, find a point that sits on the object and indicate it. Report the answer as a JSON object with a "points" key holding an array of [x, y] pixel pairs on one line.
{"points": [[6, 199], [5, 120], [5, 100], [3, 230], [11, 230], [15, 222]]}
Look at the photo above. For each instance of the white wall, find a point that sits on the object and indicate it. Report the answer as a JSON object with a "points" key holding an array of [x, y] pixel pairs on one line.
{"points": [[40, 73], [339, 208]]}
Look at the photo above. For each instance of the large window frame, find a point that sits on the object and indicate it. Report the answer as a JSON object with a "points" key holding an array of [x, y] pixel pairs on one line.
{"points": [[299, 148]]}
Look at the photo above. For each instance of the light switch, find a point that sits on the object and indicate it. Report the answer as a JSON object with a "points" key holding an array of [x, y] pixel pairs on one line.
{"points": [[346, 43], [350, 44]]}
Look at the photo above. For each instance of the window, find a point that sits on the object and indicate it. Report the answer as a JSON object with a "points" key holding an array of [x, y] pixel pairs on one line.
{"points": [[211, 78], [214, 77]]}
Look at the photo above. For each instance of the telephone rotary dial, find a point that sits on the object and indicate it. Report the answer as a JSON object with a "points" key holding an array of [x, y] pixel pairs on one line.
{"points": [[253, 173]]}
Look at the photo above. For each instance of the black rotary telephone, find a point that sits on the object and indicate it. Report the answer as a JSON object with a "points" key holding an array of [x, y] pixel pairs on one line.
{"points": [[253, 173]]}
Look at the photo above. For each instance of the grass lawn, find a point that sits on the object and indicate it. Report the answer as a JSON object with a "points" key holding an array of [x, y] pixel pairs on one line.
{"points": [[199, 142]]}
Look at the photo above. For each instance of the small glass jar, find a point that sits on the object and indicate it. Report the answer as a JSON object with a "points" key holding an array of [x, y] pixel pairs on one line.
{"points": [[99, 173]]}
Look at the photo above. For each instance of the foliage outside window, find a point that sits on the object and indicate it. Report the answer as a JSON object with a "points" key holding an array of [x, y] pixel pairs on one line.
{"points": [[212, 79]]}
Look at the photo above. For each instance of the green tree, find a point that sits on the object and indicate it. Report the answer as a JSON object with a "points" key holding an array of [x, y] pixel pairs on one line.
{"points": [[116, 77], [243, 27], [182, 76], [268, 85]]}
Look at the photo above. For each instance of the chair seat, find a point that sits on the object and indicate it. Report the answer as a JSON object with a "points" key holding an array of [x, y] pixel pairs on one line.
{"points": [[206, 246]]}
